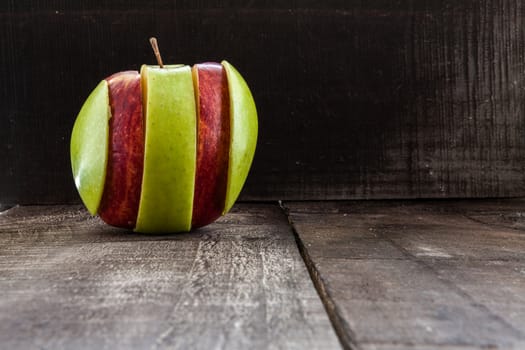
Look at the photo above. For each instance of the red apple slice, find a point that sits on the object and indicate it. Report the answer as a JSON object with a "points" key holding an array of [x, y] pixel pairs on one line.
{"points": [[213, 139], [120, 200]]}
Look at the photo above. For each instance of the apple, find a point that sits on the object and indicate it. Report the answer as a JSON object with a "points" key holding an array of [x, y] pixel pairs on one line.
{"points": [[167, 149]]}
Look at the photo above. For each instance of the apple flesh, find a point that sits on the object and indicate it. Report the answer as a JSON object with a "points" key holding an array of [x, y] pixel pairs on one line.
{"points": [[120, 200], [165, 150]]}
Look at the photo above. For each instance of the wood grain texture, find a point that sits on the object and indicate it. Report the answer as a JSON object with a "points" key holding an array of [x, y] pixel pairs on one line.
{"points": [[374, 99], [419, 275], [69, 281]]}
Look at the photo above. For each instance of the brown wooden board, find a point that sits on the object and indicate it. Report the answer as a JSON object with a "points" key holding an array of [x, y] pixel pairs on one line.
{"points": [[356, 99], [418, 275], [68, 281]]}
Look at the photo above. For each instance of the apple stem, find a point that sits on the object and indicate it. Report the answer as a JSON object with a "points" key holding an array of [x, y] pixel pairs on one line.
{"points": [[156, 51]]}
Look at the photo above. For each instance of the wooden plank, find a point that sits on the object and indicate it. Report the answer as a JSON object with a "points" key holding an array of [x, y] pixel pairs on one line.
{"points": [[356, 99], [69, 281], [418, 275]]}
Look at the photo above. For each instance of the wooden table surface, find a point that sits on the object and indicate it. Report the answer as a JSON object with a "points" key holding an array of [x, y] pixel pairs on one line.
{"points": [[293, 275]]}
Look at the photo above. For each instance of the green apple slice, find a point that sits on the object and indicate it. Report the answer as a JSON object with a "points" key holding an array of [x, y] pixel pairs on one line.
{"points": [[166, 200], [89, 147], [243, 133]]}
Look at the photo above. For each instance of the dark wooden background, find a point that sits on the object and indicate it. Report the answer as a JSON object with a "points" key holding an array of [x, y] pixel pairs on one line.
{"points": [[356, 99]]}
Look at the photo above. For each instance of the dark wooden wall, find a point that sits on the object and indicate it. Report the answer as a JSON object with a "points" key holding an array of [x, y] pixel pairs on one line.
{"points": [[356, 99]]}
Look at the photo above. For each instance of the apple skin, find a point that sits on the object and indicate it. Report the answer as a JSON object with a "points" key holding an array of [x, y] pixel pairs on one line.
{"points": [[196, 143], [213, 142], [89, 147], [243, 133], [120, 200]]}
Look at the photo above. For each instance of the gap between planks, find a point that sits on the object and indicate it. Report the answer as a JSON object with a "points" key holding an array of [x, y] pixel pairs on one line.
{"points": [[342, 330]]}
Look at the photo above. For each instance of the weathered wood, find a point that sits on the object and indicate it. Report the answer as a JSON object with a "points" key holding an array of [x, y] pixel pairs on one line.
{"points": [[419, 275], [356, 99], [68, 281]]}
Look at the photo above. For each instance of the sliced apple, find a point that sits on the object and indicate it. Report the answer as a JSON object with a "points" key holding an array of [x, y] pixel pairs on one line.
{"points": [[213, 142], [120, 200], [89, 147], [243, 133], [166, 199], [165, 150]]}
